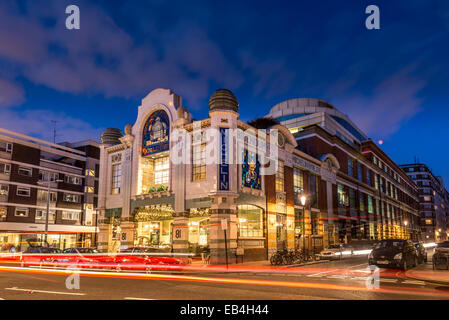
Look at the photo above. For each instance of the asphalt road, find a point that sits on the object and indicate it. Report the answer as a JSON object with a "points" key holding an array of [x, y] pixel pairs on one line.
{"points": [[345, 279]]}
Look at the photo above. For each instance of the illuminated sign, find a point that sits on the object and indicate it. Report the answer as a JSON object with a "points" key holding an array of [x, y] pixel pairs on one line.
{"points": [[156, 133], [224, 163]]}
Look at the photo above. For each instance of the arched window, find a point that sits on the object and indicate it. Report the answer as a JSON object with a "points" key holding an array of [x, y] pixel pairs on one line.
{"points": [[250, 220], [155, 135]]}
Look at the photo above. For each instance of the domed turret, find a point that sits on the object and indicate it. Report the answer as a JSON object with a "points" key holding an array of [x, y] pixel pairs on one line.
{"points": [[223, 99], [111, 136]]}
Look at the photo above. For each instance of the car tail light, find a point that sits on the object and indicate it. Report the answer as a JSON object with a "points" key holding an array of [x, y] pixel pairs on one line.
{"points": [[437, 250]]}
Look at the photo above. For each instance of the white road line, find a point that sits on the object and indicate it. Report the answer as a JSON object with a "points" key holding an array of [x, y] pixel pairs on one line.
{"points": [[421, 283], [337, 276], [131, 298], [43, 291], [319, 274]]}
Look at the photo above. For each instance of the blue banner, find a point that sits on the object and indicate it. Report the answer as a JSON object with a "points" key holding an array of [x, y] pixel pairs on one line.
{"points": [[223, 181]]}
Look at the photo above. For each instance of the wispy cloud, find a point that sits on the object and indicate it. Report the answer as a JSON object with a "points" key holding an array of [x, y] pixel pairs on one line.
{"points": [[37, 123], [10, 94], [382, 111]]}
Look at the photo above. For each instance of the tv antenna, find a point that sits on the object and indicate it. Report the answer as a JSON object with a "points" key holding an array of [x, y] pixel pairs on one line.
{"points": [[54, 130]]}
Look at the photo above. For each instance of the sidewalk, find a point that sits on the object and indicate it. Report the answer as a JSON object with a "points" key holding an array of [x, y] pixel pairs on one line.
{"points": [[425, 272], [263, 263]]}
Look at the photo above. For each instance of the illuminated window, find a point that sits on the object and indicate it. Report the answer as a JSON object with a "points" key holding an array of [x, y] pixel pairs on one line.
{"points": [[376, 181], [343, 199], [90, 173], [250, 219], [3, 213], [5, 147], [41, 216], [89, 189], [198, 162], [24, 192], [5, 168], [428, 221], [4, 189], [42, 195], [21, 212], [48, 176], [70, 215], [161, 170], [116, 178], [427, 198], [298, 180], [73, 180], [280, 177], [370, 204], [75, 198]]}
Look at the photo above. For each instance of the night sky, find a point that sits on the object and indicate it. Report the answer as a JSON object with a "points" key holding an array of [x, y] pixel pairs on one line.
{"points": [[392, 82]]}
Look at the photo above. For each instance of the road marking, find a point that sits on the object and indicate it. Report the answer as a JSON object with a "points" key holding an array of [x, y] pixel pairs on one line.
{"points": [[337, 276], [43, 291], [421, 283], [319, 274], [131, 298]]}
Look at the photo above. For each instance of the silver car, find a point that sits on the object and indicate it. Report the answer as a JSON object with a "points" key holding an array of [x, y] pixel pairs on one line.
{"points": [[336, 251]]}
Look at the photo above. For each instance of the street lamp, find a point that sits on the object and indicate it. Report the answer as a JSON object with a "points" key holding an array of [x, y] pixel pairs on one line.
{"points": [[303, 200]]}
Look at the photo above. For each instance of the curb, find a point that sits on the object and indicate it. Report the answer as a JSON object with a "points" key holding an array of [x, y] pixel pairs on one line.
{"points": [[438, 282], [307, 264]]}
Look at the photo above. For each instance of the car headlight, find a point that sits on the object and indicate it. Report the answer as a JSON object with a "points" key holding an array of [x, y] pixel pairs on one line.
{"points": [[398, 256]]}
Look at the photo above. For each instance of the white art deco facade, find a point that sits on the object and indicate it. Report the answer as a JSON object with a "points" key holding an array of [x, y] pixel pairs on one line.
{"points": [[146, 198]]}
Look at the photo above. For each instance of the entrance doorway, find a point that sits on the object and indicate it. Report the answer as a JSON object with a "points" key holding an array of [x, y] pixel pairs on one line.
{"points": [[281, 231]]}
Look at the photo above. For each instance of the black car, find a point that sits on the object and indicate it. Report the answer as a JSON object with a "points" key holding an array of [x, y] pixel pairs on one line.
{"points": [[422, 252], [441, 255], [396, 253], [38, 249]]}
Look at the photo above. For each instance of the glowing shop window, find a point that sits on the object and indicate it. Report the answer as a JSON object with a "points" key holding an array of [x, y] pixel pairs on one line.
{"points": [[161, 171], [250, 221]]}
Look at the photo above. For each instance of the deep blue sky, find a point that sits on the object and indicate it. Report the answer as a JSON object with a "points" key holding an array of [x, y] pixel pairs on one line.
{"points": [[392, 82]]}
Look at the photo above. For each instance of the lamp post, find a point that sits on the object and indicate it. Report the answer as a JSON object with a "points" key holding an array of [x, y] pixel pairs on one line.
{"points": [[303, 203], [48, 208]]}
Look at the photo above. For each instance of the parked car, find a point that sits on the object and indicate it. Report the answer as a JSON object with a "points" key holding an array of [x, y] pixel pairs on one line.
{"points": [[134, 251], [422, 252], [335, 251], [397, 253], [440, 257]]}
